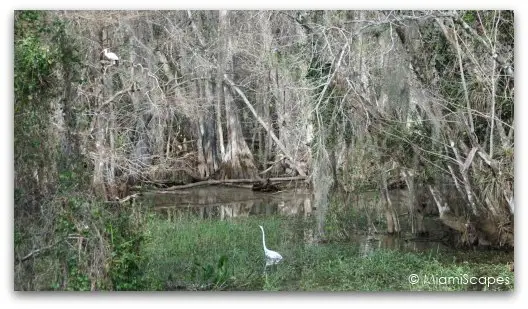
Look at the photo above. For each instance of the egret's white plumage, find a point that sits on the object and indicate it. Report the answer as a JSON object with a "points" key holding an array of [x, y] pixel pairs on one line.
{"points": [[272, 257], [111, 56]]}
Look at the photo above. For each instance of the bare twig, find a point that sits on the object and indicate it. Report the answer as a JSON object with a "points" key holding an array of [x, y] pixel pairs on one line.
{"points": [[117, 94], [500, 60], [467, 185], [469, 159], [36, 252]]}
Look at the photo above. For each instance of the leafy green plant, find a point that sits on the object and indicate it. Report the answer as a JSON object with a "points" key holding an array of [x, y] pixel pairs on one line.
{"points": [[214, 276]]}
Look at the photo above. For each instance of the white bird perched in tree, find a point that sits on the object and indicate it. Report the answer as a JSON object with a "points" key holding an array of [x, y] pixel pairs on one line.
{"points": [[111, 56], [272, 257]]}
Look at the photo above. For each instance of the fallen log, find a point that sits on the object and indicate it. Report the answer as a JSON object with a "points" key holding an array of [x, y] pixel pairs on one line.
{"points": [[230, 181]]}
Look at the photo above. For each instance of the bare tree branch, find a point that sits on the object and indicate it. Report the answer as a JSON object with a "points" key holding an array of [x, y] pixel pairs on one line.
{"points": [[265, 126]]}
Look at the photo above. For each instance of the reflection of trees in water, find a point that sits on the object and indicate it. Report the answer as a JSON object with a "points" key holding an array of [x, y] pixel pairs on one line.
{"points": [[412, 211], [369, 244], [231, 203], [238, 209], [207, 207]]}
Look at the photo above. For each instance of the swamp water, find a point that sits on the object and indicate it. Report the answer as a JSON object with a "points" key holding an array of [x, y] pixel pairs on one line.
{"points": [[208, 238]]}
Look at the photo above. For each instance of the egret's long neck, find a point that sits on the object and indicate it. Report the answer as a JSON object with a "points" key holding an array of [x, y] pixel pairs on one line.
{"points": [[263, 239]]}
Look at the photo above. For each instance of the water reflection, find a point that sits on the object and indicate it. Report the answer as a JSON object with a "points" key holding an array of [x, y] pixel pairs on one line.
{"points": [[370, 243], [225, 202], [221, 202]]}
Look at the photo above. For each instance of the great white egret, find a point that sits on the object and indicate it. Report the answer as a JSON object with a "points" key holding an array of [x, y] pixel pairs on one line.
{"points": [[111, 56], [272, 257]]}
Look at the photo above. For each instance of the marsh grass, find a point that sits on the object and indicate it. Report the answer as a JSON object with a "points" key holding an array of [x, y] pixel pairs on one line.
{"points": [[198, 254], [101, 246]]}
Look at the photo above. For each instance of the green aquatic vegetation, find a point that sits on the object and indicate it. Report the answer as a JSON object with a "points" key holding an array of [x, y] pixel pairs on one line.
{"points": [[194, 254], [156, 254]]}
